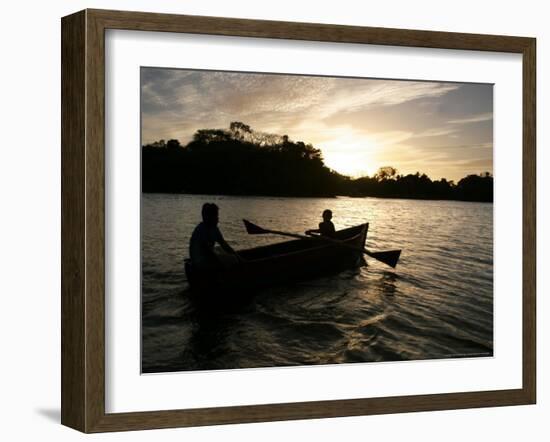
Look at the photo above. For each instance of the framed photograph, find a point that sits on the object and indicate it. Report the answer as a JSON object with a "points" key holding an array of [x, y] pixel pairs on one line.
{"points": [[268, 220]]}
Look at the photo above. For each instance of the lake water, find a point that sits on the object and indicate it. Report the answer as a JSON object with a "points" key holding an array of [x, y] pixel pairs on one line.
{"points": [[437, 303]]}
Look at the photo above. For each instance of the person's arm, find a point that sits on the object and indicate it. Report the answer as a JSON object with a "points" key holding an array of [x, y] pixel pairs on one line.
{"points": [[223, 244], [312, 231], [226, 247]]}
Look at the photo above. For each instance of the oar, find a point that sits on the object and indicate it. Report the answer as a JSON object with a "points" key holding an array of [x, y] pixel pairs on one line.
{"points": [[389, 257]]}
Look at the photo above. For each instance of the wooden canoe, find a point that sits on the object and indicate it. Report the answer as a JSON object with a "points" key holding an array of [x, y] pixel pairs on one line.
{"points": [[284, 262]]}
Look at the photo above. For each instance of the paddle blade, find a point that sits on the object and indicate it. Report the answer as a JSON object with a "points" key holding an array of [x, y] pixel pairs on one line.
{"points": [[390, 257], [253, 229]]}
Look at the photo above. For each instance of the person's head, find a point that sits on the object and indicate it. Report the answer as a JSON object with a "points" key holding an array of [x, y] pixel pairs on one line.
{"points": [[327, 215], [210, 214]]}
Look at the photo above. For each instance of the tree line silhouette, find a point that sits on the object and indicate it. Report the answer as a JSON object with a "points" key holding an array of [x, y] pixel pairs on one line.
{"points": [[241, 161]]}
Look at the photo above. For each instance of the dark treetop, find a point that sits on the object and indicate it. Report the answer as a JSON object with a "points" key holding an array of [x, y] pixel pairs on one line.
{"points": [[240, 161]]}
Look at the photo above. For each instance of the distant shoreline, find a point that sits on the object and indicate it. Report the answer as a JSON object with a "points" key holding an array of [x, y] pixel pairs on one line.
{"points": [[314, 196], [239, 161]]}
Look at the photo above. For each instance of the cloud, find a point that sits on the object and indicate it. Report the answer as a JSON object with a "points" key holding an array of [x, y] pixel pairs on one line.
{"points": [[364, 94], [435, 132], [449, 147], [208, 98], [475, 119]]}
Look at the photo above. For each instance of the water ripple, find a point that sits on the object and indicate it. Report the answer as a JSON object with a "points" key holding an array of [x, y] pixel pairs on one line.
{"points": [[438, 303]]}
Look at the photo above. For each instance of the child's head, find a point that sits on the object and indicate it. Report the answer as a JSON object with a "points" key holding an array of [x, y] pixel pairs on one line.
{"points": [[327, 215]]}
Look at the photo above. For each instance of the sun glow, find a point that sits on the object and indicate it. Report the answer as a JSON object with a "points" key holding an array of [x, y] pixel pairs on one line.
{"points": [[351, 159], [358, 154]]}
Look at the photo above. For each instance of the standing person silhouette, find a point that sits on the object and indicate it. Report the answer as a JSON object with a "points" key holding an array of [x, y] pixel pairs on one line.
{"points": [[326, 227]]}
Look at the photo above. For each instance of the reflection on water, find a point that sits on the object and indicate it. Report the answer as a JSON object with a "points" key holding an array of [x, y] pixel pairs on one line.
{"points": [[437, 303]]}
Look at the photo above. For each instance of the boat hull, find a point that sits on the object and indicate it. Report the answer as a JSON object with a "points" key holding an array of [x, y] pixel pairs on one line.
{"points": [[284, 262]]}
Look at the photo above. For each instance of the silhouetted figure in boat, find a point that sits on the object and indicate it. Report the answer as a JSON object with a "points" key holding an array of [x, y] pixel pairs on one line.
{"points": [[204, 238], [326, 228]]}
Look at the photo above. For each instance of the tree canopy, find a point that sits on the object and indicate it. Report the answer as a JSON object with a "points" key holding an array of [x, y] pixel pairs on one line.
{"points": [[241, 161]]}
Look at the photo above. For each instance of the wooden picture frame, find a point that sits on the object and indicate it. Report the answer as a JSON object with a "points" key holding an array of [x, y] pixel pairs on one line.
{"points": [[83, 220]]}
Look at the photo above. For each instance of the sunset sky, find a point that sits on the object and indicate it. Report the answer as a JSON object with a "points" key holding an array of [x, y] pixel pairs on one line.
{"points": [[441, 129]]}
